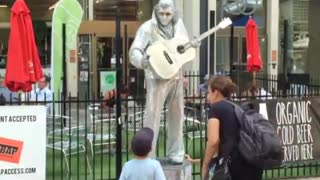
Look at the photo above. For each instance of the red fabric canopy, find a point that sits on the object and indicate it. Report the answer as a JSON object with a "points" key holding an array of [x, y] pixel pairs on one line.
{"points": [[23, 64], [254, 62]]}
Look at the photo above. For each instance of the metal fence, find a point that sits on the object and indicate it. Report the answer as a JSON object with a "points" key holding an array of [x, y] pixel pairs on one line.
{"points": [[82, 139]]}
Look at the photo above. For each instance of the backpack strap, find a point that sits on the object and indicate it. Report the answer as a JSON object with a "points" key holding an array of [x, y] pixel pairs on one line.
{"points": [[239, 113], [237, 110]]}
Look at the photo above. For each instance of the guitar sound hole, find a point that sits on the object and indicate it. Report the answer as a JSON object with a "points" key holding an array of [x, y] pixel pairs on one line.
{"points": [[181, 49], [167, 57]]}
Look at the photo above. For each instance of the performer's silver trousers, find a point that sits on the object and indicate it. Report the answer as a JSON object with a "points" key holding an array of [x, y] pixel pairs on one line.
{"points": [[171, 91]]}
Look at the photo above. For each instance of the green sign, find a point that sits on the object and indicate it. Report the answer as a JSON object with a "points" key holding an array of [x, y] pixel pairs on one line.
{"points": [[107, 81]]}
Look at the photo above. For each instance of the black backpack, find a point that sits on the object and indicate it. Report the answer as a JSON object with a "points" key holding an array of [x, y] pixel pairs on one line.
{"points": [[259, 143]]}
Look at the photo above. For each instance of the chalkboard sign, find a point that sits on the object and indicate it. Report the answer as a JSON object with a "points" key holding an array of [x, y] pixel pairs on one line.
{"points": [[297, 123]]}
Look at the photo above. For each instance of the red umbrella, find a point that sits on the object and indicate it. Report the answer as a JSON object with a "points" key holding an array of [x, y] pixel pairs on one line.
{"points": [[254, 62], [23, 66]]}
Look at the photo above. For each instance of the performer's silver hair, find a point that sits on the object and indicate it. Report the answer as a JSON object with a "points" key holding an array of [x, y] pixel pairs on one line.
{"points": [[165, 4]]}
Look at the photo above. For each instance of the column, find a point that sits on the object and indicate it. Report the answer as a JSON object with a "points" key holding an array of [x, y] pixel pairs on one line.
{"points": [[312, 59], [273, 36], [212, 14], [191, 19], [90, 9], [179, 4]]}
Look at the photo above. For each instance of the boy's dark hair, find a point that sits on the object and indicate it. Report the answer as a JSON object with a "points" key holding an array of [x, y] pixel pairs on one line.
{"points": [[141, 143]]}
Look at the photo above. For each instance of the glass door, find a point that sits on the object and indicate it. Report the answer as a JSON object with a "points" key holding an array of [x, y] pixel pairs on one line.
{"points": [[84, 70]]}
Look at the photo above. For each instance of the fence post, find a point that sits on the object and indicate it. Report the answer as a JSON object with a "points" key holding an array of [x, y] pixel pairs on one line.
{"points": [[285, 57], [118, 101], [231, 49], [64, 69], [125, 55]]}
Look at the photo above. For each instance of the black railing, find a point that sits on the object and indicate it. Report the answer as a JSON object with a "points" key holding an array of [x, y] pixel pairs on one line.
{"points": [[82, 143]]}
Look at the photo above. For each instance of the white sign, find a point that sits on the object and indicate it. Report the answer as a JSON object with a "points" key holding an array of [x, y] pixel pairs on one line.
{"points": [[22, 142], [263, 110]]}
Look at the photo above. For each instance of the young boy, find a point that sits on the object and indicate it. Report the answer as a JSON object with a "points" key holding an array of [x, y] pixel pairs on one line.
{"points": [[142, 167]]}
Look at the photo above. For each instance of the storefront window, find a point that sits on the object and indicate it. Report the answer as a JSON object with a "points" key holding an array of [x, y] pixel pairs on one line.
{"points": [[129, 10], [294, 26], [4, 33], [239, 52], [43, 42], [85, 7], [41, 16], [223, 53]]}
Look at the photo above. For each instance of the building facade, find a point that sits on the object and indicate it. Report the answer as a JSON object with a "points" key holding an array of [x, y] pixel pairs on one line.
{"points": [[288, 37]]}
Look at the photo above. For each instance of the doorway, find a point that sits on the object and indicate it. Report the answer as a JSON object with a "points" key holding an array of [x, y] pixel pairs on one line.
{"points": [[96, 43]]}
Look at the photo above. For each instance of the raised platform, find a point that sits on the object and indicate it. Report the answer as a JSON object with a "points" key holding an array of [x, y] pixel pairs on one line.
{"points": [[176, 172]]}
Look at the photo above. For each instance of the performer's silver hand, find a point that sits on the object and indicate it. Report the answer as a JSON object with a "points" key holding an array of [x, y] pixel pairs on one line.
{"points": [[146, 61], [195, 43]]}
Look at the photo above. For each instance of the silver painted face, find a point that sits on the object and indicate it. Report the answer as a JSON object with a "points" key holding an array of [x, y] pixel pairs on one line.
{"points": [[165, 15]]}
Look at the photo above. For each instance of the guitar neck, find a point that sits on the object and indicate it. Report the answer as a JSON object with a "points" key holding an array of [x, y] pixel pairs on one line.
{"points": [[208, 33]]}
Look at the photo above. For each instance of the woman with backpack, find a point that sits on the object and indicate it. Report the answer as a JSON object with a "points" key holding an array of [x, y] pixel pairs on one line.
{"points": [[223, 136]]}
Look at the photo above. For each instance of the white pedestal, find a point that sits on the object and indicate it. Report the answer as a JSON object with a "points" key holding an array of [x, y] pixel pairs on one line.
{"points": [[176, 172]]}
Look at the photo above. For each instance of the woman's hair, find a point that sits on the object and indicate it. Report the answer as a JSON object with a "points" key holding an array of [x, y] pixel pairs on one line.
{"points": [[223, 84]]}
